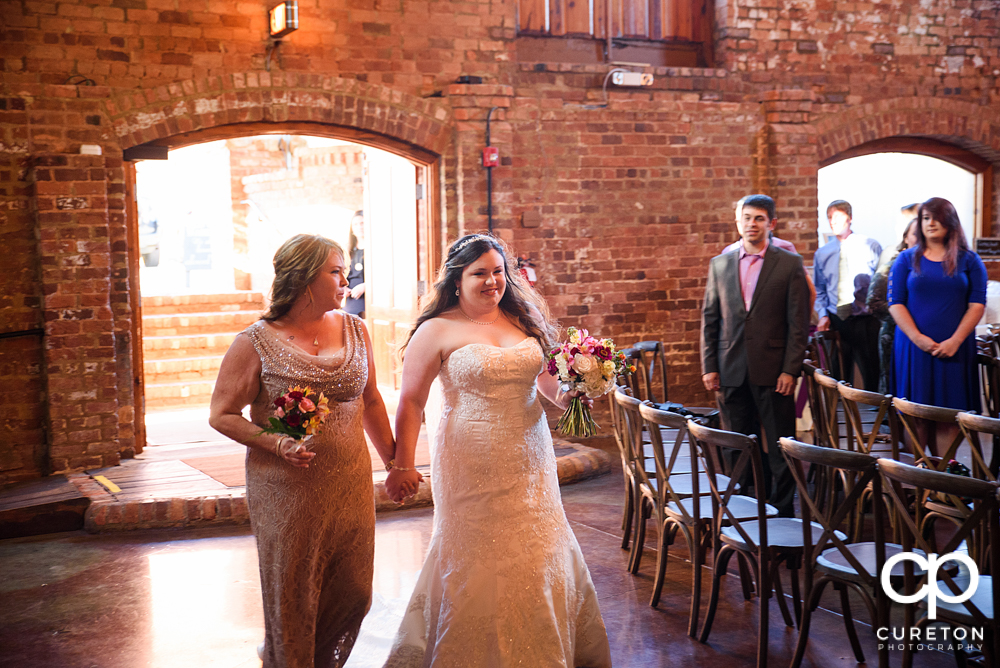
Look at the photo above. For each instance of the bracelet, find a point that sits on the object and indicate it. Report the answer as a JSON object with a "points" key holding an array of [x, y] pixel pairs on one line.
{"points": [[392, 465], [277, 447]]}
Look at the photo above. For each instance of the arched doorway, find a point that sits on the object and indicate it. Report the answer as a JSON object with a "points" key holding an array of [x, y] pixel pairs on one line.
{"points": [[400, 188], [880, 176]]}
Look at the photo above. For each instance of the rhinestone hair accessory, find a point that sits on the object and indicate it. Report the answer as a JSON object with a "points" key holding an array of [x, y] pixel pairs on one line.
{"points": [[475, 237]]}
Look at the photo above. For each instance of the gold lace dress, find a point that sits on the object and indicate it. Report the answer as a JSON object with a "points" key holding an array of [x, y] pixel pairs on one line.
{"points": [[315, 527], [504, 582]]}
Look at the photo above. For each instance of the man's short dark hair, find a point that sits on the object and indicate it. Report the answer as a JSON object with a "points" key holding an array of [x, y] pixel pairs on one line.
{"points": [[910, 209], [760, 202], [359, 212], [841, 205]]}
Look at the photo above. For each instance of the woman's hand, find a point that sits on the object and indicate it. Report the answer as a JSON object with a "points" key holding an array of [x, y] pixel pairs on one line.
{"points": [[947, 348], [294, 452], [566, 397], [400, 484], [927, 344]]}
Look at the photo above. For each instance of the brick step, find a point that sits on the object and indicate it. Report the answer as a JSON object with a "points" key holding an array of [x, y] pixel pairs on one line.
{"points": [[179, 395], [181, 370], [197, 323], [156, 348], [230, 301]]}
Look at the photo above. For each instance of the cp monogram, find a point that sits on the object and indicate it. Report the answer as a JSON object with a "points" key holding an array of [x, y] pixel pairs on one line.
{"points": [[931, 592]]}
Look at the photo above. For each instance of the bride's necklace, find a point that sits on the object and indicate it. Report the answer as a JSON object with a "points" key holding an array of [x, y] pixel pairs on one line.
{"points": [[476, 322]]}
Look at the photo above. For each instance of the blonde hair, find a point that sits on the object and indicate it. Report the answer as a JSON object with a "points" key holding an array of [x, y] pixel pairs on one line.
{"points": [[296, 265]]}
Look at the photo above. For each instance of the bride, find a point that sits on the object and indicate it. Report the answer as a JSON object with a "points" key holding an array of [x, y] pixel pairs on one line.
{"points": [[504, 582]]}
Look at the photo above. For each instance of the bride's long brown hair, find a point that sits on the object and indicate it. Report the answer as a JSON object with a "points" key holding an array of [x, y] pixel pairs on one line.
{"points": [[519, 299]]}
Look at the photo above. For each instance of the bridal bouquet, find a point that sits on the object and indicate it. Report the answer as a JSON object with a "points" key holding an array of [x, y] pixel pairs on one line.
{"points": [[587, 365], [299, 413]]}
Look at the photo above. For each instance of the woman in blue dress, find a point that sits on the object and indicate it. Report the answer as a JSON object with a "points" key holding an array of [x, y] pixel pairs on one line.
{"points": [[937, 294]]}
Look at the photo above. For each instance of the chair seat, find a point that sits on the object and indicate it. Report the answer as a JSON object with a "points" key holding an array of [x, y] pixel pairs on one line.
{"points": [[744, 507], [834, 562], [781, 532], [982, 599], [682, 484]]}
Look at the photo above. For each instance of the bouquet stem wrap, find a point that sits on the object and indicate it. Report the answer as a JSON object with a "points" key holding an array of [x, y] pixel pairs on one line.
{"points": [[577, 421]]}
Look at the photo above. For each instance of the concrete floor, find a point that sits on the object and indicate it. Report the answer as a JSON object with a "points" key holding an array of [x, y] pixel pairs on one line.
{"points": [[192, 599]]}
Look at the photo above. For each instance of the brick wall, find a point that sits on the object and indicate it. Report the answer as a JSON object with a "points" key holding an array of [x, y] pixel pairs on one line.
{"points": [[634, 190]]}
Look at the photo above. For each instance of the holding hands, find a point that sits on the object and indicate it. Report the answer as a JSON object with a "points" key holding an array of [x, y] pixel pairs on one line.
{"points": [[402, 483]]}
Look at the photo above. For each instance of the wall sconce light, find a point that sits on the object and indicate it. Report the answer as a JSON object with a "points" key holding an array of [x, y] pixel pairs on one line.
{"points": [[284, 18]]}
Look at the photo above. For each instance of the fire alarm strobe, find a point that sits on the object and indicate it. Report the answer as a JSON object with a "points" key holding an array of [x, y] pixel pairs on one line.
{"points": [[632, 79], [491, 156]]}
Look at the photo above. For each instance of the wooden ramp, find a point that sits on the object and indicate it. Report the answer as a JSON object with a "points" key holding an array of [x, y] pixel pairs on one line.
{"points": [[36, 507]]}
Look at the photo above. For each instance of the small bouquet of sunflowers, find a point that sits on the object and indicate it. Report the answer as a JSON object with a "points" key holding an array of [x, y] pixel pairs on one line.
{"points": [[589, 366]]}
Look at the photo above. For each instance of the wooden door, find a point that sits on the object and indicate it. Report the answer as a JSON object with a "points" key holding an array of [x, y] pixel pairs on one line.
{"points": [[391, 258], [138, 383]]}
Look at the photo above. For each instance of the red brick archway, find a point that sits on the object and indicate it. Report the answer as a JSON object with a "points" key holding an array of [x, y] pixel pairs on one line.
{"points": [[148, 116], [960, 132], [971, 126]]}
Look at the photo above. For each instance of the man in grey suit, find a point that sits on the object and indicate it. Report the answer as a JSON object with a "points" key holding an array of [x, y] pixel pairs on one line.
{"points": [[754, 329]]}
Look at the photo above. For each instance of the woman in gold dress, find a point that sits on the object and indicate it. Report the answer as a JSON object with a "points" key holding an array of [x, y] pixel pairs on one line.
{"points": [[311, 508]]}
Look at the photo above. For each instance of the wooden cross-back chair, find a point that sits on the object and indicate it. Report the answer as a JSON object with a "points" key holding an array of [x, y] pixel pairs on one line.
{"points": [[829, 559], [873, 441], [647, 469], [831, 354], [685, 502], [628, 472], [983, 518], [989, 382], [763, 542]]}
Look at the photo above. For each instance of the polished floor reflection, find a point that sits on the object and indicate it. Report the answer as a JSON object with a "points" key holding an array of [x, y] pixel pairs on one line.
{"points": [[192, 599]]}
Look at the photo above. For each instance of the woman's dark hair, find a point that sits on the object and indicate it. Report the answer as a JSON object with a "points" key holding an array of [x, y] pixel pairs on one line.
{"points": [[906, 232], [519, 300], [352, 241], [297, 264], [944, 213]]}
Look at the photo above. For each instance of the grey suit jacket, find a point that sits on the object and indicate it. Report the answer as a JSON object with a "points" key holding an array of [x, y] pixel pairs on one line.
{"points": [[768, 340]]}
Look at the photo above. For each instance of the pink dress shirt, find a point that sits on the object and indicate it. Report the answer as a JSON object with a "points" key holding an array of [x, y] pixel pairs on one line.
{"points": [[750, 265]]}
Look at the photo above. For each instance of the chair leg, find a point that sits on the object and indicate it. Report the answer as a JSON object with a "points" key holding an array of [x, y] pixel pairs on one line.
{"points": [[779, 592], [796, 594], [627, 515], [639, 535], [697, 559], [852, 634], [745, 578], [667, 534], [811, 605], [721, 560], [763, 627]]}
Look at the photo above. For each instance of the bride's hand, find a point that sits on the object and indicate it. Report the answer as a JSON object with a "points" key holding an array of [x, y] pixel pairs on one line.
{"points": [[400, 485], [566, 397]]}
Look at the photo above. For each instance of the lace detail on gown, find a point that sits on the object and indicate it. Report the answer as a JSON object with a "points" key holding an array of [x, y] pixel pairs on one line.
{"points": [[504, 582], [315, 527]]}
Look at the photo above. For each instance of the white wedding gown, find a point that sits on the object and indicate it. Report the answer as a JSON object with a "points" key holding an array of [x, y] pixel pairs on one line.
{"points": [[504, 582]]}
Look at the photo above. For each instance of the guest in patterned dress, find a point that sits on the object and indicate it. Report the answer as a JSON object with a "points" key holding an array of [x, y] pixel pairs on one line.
{"points": [[311, 508]]}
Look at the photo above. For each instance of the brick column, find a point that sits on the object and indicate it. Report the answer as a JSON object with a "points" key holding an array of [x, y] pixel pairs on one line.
{"points": [[472, 103], [76, 270], [788, 165]]}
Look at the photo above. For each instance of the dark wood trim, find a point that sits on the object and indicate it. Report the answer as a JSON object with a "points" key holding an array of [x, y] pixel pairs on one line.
{"points": [[956, 155], [399, 147], [138, 374]]}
